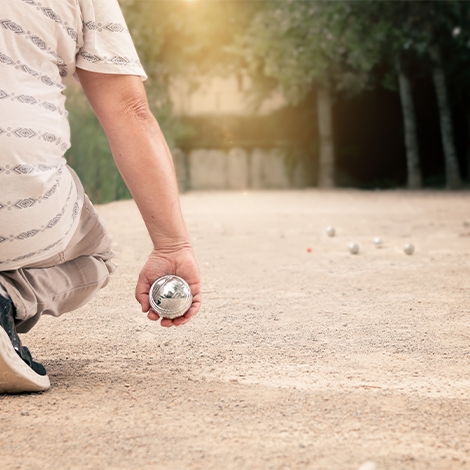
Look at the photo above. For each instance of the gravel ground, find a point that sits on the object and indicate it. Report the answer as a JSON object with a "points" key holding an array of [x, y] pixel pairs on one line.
{"points": [[303, 355]]}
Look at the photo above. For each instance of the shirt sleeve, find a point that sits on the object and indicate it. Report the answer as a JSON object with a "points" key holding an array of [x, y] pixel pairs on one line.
{"points": [[107, 46]]}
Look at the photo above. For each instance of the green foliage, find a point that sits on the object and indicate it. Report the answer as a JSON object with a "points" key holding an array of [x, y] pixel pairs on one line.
{"points": [[407, 30], [300, 44], [180, 37], [90, 155]]}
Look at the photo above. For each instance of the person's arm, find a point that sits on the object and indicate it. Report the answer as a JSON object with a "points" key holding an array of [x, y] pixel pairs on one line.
{"points": [[145, 163]]}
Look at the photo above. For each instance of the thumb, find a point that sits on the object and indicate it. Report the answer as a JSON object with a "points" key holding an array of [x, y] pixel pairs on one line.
{"points": [[142, 295]]}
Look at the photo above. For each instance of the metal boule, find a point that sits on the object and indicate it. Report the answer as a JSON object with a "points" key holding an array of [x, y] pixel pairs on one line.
{"points": [[353, 248], [409, 249], [170, 297], [330, 231], [378, 242]]}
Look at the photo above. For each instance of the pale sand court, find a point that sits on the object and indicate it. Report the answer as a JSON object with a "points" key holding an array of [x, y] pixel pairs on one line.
{"points": [[319, 360]]}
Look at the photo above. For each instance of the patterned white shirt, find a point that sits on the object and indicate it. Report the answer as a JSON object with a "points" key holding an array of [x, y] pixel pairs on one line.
{"points": [[41, 43]]}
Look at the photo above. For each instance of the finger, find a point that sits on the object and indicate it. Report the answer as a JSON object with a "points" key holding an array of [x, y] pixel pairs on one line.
{"points": [[187, 316], [193, 310], [184, 319], [143, 300], [180, 321], [166, 322], [142, 295], [151, 315]]}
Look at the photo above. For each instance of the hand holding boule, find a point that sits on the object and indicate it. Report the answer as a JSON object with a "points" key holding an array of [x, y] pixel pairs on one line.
{"points": [[180, 262], [170, 297]]}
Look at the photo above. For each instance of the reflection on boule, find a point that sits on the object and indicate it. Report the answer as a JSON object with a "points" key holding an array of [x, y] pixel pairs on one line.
{"points": [[170, 296]]}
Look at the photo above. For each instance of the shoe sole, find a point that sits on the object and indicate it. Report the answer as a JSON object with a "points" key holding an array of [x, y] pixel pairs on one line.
{"points": [[15, 375]]}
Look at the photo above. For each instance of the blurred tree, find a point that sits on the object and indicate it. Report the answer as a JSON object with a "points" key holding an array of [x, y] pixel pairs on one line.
{"points": [[420, 31], [336, 46], [180, 38], [375, 33], [184, 38], [409, 125], [458, 71], [438, 23], [302, 45], [429, 30]]}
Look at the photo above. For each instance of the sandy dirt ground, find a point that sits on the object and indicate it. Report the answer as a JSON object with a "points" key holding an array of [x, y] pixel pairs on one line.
{"points": [[298, 359]]}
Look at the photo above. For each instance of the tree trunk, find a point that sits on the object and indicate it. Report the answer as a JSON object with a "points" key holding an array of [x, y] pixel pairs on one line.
{"points": [[326, 176], [453, 180], [409, 122], [468, 147], [468, 138]]}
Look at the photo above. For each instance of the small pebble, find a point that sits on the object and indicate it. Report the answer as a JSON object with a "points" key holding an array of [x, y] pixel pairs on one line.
{"points": [[353, 248], [409, 249], [330, 231]]}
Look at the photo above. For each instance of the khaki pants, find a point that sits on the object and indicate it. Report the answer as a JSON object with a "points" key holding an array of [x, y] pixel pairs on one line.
{"points": [[65, 281]]}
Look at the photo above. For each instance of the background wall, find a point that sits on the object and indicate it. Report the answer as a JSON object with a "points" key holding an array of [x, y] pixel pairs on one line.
{"points": [[240, 169]]}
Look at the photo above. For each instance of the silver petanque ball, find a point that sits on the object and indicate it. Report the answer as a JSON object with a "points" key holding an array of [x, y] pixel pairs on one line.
{"points": [[330, 231], [378, 242], [409, 249], [353, 248], [170, 297]]}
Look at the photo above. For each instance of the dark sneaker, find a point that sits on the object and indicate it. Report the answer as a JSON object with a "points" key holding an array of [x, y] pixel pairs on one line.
{"points": [[18, 372]]}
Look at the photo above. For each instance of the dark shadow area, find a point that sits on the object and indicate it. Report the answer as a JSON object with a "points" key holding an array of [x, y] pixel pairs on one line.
{"points": [[370, 139]]}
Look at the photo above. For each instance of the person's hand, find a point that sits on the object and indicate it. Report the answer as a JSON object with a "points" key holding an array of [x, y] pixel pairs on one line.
{"points": [[144, 160], [180, 262]]}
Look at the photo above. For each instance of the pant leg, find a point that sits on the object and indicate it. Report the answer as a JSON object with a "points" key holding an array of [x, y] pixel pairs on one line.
{"points": [[65, 281]]}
